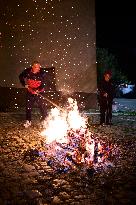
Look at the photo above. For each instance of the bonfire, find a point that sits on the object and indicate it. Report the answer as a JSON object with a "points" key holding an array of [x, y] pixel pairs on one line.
{"points": [[71, 144]]}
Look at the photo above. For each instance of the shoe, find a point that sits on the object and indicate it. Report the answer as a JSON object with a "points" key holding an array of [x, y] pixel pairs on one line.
{"points": [[109, 123], [102, 124], [27, 124]]}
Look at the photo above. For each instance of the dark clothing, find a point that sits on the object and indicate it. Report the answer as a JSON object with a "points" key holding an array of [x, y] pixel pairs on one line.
{"points": [[105, 112], [35, 81], [105, 103], [30, 100]]}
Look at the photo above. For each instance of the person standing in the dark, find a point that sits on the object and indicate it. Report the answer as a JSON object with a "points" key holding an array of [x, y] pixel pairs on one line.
{"points": [[105, 98], [32, 79]]}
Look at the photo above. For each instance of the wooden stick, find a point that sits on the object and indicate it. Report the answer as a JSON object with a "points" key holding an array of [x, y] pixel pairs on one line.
{"points": [[51, 102]]}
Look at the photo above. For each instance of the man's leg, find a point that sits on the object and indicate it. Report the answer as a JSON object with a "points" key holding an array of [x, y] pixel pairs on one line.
{"points": [[109, 113], [41, 104], [29, 105], [102, 113]]}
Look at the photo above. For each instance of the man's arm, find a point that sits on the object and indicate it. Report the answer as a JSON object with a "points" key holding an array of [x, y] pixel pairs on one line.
{"points": [[101, 90], [22, 77]]}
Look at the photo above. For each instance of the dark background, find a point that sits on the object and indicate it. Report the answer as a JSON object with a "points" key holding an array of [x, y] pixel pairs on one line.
{"points": [[116, 31]]}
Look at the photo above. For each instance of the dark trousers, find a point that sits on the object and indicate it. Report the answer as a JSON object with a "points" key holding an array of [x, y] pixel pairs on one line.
{"points": [[30, 100], [105, 111]]}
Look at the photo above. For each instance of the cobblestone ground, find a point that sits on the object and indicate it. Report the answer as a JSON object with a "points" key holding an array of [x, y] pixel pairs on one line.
{"points": [[34, 182]]}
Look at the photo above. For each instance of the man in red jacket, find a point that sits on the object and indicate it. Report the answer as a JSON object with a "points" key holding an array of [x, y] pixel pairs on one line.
{"points": [[33, 80]]}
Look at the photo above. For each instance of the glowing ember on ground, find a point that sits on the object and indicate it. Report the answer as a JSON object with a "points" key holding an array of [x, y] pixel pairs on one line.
{"points": [[71, 145]]}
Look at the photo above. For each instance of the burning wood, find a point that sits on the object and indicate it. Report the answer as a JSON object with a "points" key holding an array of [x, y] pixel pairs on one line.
{"points": [[70, 144]]}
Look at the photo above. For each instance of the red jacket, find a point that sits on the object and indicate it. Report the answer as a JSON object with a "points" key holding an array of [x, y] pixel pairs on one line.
{"points": [[35, 81]]}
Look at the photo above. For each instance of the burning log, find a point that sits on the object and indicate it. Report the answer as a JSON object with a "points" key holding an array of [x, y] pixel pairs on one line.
{"points": [[70, 144]]}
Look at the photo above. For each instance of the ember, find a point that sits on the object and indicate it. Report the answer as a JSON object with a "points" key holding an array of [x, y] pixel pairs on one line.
{"points": [[71, 145], [83, 151]]}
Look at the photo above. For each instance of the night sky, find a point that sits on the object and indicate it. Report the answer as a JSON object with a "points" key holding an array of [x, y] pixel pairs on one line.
{"points": [[116, 30], [59, 33]]}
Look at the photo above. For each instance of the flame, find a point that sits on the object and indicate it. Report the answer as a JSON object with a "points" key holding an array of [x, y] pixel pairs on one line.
{"points": [[70, 143], [56, 127], [75, 120], [58, 123]]}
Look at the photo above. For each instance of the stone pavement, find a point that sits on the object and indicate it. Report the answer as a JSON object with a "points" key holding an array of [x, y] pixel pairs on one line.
{"points": [[34, 182]]}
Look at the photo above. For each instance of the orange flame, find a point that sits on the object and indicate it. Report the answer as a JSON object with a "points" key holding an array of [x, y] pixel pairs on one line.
{"points": [[58, 123]]}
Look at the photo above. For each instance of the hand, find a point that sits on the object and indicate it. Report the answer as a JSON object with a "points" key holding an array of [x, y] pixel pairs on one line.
{"points": [[36, 92], [26, 86], [105, 95]]}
